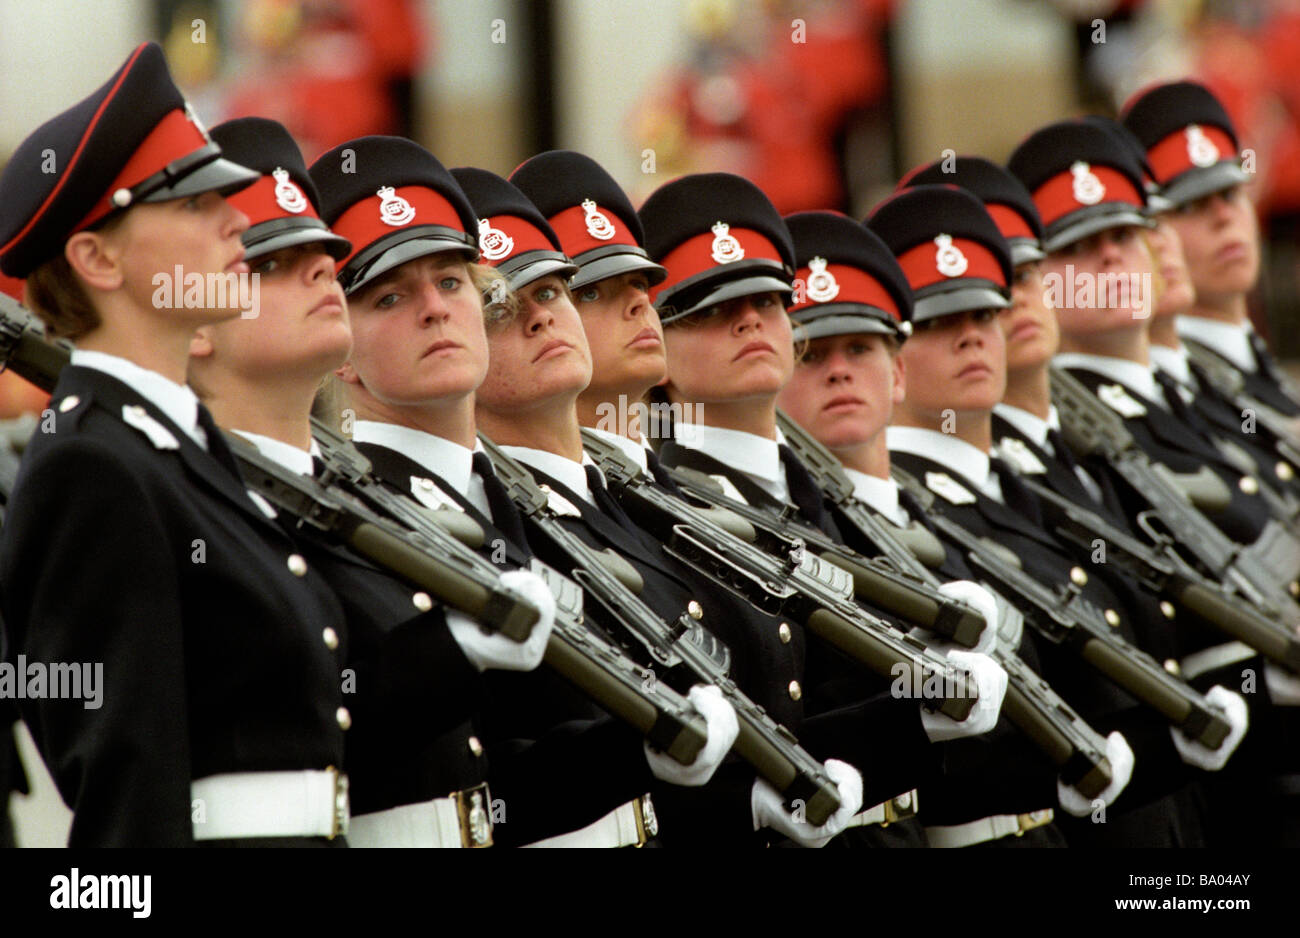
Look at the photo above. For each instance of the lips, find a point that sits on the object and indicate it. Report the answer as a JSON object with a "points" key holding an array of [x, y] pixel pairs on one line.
{"points": [[646, 338], [975, 370], [842, 403], [551, 349], [1025, 329], [329, 305], [238, 265], [754, 348], [441, 345], [1235, 251]]}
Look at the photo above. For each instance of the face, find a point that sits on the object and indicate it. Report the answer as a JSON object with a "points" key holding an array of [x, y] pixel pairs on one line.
{"points": [[623, 333], [955, 362], [844, 388], [1029, 324], [199, 234], [738, 350], [302, 322], [1221, 243], [1095, 291], [539, 355], [1177, 293], [417, 333]]}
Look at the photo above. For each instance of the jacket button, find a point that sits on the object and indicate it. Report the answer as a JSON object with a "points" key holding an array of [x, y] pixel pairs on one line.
{"points": [[1112, 618], [331, 638], [1172, 667], [68, 403], [1248, 485], [1078, 577], [795, 690], [783, 633], [695, 610], [343, 717], [1285, 472], [422, 602], [297, 565], [475, 746], [1167, 608], [426, 484]]}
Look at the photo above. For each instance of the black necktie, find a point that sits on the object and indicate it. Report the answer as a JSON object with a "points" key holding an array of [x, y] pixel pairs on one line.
{"points": [[1263, 358], [804, 491], [1062, 449], [606, 503], [505, 516], [1015, 494], [217, 447], [1169, 385]]}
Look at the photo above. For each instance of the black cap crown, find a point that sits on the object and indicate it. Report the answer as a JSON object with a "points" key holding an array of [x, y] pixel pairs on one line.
{"points": [[719, 237], [948, 247], [847, 279], [395, 202], [512, 234], [1191, 145], [1004, 196], [283, 207], [134, 139], [590, 213]]}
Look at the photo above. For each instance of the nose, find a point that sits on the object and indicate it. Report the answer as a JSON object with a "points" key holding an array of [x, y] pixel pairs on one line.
{"points": [[432, 308], [837, 368], [319, 266], [745, 317], [636, 302], [970, 332], [236, 222], [539, 316]]}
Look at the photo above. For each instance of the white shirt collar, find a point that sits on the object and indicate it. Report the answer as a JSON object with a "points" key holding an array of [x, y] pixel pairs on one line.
{"points": [[880, 494], [291, 457], [564, 470], [176, 401], [1031, 425], [964, 459], [755, 456], [451, 461], [631, 448], [1173, 362], [1231, 340], [1131, 375]]}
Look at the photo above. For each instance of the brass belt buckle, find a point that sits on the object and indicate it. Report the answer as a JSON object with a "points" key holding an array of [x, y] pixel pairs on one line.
{"points": [[1033, 819], [342, 812], [900, 808], [473, 807], [647, 823]]}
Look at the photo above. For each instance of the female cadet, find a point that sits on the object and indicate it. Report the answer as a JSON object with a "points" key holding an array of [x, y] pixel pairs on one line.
{"points": [[130, 541]]}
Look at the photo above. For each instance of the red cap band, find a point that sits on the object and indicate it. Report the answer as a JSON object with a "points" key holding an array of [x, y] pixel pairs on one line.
{"points": [[259, 203], [1056, 199], [921, 264], [519, 236], [855, 286], [174, 137], [696, 255], [1173, 155], [375, 217], [574, 227], [1010, 222]]}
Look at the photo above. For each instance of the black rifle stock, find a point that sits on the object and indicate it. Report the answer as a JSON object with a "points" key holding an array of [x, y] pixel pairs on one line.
{"points": [[1064, 617], [770, 748]]}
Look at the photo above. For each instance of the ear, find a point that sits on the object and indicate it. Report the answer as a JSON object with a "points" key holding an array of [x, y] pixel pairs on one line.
{"points": [[347, 374], [201, 343], [94, 259], [899, 390]]}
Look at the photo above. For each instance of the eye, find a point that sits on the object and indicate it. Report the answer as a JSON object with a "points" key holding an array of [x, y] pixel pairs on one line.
{"points": [[811, 358], [858, 348], [640, 283], [545, 294], [266, 265], [387, 301], [766, 301], [449, 283], [589, 294], [984, 315]]}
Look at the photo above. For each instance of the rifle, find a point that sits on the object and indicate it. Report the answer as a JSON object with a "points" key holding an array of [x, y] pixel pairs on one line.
{"points": [[1065, 618], [800, 586], [1164, 572], [766, 745], [1075, 748], [1255, 572]]}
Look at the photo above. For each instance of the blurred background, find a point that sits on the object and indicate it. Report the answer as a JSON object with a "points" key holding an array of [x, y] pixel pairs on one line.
{"points": [[823, 103]]}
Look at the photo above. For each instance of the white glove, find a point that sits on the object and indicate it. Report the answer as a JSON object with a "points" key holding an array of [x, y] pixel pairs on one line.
{"points": [[497, 651], [1283, 686], [1211, 760], [720, 718], [991, 682], [982, 600], [769, 808], [1121, 761]]}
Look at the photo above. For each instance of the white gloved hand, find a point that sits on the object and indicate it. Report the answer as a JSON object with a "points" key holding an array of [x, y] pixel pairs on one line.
{"points": [[769, 808], [720, 718], [497, 651], [1283, 686], [983, 602], [1121, 761], [1234, 711], [991, 682]]}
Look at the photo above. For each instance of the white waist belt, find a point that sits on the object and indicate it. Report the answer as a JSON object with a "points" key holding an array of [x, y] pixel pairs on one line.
{"points": [[986, 829], [631, 824], [270, 804], [459, 820], [1211, 659], [898, 808]]}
